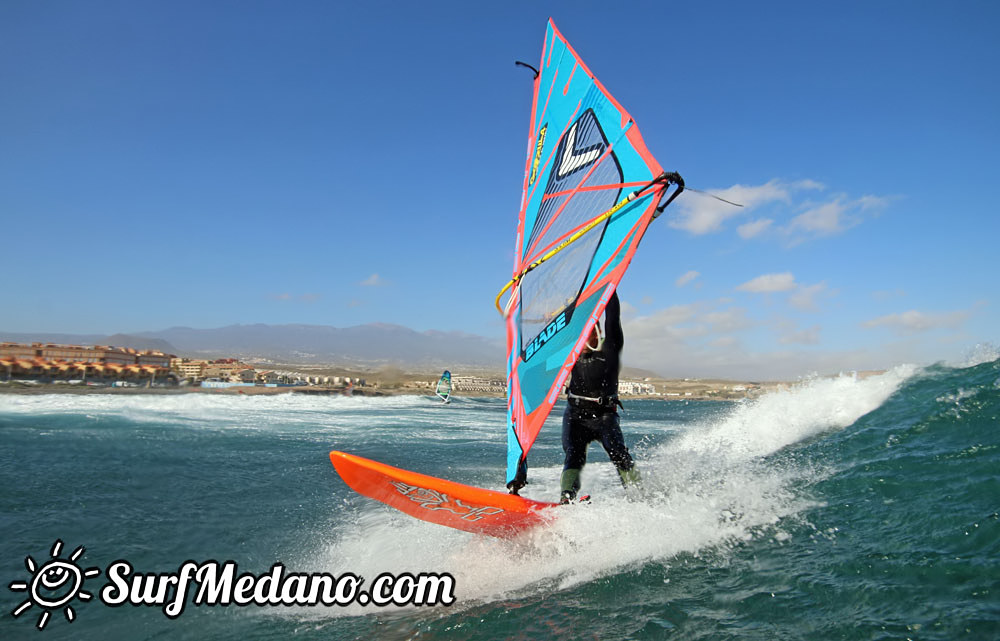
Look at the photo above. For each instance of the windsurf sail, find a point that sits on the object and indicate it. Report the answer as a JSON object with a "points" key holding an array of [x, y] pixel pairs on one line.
{"points": [[591, 188], [443, 389]]}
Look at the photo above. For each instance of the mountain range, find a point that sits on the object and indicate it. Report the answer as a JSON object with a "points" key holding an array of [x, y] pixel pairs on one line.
{"points": [[368, 346]]}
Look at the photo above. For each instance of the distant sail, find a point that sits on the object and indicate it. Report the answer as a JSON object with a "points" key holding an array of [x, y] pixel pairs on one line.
{"points": [[443, 388], [590, 190]]}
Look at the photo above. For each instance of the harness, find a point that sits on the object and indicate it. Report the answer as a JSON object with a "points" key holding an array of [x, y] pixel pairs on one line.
{"points": [[587, 402]]}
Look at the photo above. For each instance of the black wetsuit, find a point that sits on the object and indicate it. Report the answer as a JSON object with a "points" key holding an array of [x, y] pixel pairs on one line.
{"points": [[591, 409]]}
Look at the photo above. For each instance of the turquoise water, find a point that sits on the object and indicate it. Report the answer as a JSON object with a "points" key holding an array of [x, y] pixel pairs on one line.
{"points": [[837, 509]]}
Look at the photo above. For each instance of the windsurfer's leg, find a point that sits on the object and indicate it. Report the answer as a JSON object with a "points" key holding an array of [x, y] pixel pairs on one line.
{"points": [[575, 443], [569, 484], [614, 445]]}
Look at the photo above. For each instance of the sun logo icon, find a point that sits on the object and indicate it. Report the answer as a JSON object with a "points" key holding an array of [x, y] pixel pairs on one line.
{"points": [[54, 585]]}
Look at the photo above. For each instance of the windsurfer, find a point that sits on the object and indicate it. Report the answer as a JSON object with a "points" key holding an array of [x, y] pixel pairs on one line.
{"points": [[592, 409], [592, 406], [578, 228]]}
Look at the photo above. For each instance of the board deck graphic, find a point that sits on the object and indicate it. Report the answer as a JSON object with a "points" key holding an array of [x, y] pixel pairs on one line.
{"points": [[428, 498]]}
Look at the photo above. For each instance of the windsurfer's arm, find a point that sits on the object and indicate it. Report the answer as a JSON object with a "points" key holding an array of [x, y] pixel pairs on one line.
{"points": [[520, 478], [613, 322]]}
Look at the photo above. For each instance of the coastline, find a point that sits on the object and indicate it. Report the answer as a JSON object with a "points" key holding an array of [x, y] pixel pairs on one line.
{"points": [[688, 389], [48, 388], [685, 391]]}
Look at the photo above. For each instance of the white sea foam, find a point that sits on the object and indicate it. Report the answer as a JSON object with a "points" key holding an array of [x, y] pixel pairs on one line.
{"points": [[979, 354], [220, 411], [708, 488], [191, 404], [708, 485], [776, 420]]}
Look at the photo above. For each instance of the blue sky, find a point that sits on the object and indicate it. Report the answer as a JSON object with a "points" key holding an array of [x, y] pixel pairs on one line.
{"points": [[210, 163]]}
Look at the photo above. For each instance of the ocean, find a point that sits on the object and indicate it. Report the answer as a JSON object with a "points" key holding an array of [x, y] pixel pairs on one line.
{"points": [[840, 508]]}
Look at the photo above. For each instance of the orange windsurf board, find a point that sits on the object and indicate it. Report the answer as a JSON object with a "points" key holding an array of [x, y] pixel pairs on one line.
{"points": [[428, 498]]}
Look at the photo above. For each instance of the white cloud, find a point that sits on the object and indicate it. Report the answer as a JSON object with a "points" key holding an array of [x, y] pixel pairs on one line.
{"points": [[701, 214], [831, 218], [374, 281], [769, 283], [673, 354], [715, 339], [695, 319], [726, 342], [806, 183], [873, 203], [684, 334], [686, 278], [801, 297], [728, 320], [914, 321], [677, 321], [804, 297], [793, 354], [754, 228], [823, 220]]}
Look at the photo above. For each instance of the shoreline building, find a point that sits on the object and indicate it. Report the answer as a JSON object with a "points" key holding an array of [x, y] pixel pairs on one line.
{"points": [[186, 368], [96, 364], [636, 388], [479, 384]]}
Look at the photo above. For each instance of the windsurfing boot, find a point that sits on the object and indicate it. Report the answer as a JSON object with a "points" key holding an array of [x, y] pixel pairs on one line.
{"points": [[632, 482], [630, 476], [569, 485]]}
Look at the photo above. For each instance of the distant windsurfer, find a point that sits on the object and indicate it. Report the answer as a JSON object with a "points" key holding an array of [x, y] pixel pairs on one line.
{"points": [[592, 409]]}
